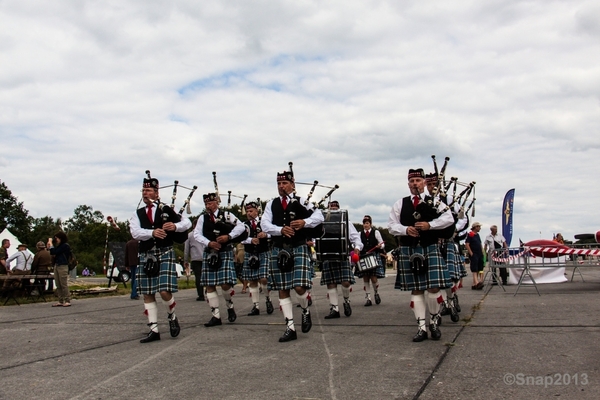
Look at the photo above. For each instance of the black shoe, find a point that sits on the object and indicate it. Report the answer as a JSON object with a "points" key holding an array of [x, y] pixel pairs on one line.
{"points": [[306, 321], [377, 298], [420, 336], [231, 316], [368, 303], [436, 334], [444, 310], [347, 309], [288, 335], [269, 307], [456, 305], [200, 298], [174, 326], [213, 322], [332, 314], [454, 317], [152, 336], [254, 311]]}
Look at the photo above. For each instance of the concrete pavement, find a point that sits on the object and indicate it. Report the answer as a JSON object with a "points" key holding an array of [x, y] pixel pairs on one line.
{"points": [[547, 344]]}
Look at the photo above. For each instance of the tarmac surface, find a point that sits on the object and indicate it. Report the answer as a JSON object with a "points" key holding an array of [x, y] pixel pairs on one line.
{"points": [[504, 346]]}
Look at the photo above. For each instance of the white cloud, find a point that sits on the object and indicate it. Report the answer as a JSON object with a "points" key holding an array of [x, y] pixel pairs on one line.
{"points": [[354, 93]]}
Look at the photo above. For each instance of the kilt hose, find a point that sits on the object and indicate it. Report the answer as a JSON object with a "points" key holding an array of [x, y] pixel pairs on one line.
{"points": [[166, 281], [299, 276], [225, 275], [437, 275]]}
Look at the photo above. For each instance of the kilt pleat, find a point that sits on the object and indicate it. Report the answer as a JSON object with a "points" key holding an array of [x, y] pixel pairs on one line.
{"points": [[336, 272], [299, 276], [224, 275], [166, 281], [437, 275], [261, 272]]}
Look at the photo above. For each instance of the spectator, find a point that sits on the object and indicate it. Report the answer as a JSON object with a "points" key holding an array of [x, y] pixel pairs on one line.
{"points": [[23, 257], [192, 257], [493, 242], [475, 252], [3, 256], [61, 251], [559, 238], [42, 264]]}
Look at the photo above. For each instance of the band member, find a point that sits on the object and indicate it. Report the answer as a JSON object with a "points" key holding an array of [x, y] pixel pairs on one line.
{"points": [[193, 251], [148, 225], [339, 272], [372, 241], [420, 265], [256, 259], [456, 269], [288, 220], [215, 230]]}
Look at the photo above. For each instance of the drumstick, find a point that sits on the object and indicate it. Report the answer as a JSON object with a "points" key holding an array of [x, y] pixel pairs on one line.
{"points": [[375, 247]]}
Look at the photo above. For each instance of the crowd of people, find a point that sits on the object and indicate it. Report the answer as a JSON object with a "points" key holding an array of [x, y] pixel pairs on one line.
{"points": [[275, 255]]}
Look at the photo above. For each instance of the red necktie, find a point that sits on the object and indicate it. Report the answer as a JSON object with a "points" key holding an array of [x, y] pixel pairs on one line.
{"points": [[149, 213], [284, 203], [212, 217], [367, 233], [253, 225], [415, 201]]}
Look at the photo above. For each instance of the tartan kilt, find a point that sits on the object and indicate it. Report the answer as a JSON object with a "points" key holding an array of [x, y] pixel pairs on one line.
{"points": [[261, 272], [166, 281], [301, 274], [336, 272], [456, 266], [379, 271], [437, 275], [224, 275]]}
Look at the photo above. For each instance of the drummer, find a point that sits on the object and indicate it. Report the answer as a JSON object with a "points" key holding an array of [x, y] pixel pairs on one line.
{"points": [[337, 272], [372, 242]]}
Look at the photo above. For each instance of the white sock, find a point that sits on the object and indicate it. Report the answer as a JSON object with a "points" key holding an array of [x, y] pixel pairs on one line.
{"points": [[255, 294], [367, 289], [227, 296], [288, 312], [450, 292], [213, 302], [417, 303], [152, 313], [433, 303], [303, 300], [345, 292], [170, 306], [375, 286], [266, 290], [333, 298]]}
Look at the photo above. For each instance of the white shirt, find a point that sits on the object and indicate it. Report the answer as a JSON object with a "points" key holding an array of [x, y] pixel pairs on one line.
{"points": [[489, 242], [237, 230], [143, 234], [266, 223], [378, 237], [397, 229], [24, 260], [193, 249]]}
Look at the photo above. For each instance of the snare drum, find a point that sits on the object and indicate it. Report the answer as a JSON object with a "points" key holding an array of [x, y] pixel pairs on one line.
{"points": [[333, 245], [368, 262]]}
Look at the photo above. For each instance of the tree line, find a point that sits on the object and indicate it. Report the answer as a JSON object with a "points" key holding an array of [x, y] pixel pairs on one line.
{"points": [[87, 229]]}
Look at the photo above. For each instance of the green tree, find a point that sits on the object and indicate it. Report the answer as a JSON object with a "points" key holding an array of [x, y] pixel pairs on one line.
{"points": [[42, 229], [83, 216], [13, 215]]}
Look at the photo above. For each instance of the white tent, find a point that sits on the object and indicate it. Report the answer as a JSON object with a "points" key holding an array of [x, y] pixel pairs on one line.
{"points": [[14, 241]]}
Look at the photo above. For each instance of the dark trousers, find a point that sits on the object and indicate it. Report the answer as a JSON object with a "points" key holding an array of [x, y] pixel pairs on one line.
{"points": [[503, 272], [197, 268]]}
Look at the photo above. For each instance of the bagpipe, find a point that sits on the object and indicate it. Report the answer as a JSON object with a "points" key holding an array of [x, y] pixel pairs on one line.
{"points": [[168, 213], [285, 260], [428, 209]]}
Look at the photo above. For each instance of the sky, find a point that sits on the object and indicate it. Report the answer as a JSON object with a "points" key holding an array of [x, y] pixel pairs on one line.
{"points": [[354, 93]]}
